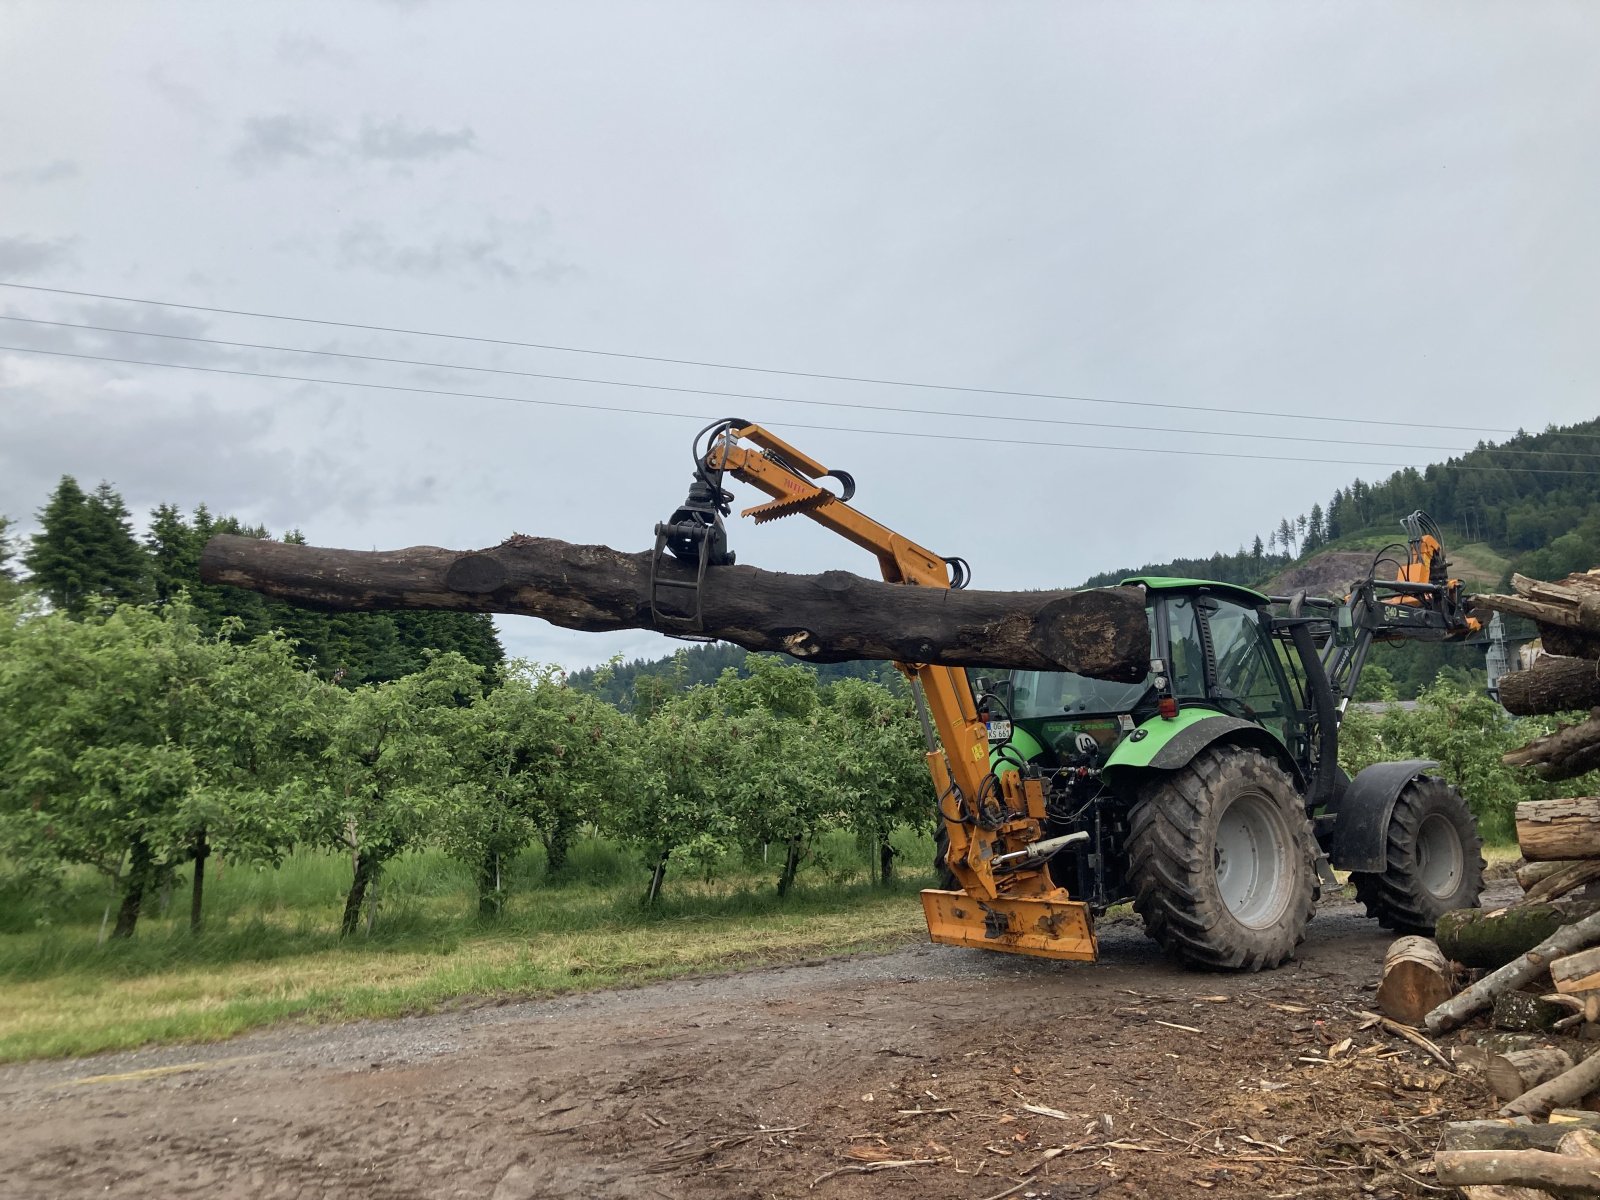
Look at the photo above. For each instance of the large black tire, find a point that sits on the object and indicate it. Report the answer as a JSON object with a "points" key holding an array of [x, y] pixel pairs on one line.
{"points": [[1434, 860], [1222, 861]]}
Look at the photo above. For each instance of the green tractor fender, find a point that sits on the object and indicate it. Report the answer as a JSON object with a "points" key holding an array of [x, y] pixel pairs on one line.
{"points": [[1022, 746], [1164, 744]]}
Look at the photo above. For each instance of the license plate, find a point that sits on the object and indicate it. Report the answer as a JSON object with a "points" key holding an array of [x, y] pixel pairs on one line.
{"points": [[999, 731]]}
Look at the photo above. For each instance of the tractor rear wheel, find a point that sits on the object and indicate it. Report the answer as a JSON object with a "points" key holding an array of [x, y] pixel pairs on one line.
{"points": [[1434, 863], [1221, 858]]}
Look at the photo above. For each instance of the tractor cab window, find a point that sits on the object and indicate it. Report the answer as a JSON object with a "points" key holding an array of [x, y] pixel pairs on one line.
{"points": [[1248, 683], [1244, 680], [1036, 694]]}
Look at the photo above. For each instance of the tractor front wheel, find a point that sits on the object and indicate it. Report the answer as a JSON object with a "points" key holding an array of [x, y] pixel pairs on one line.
{"points": [[1433, 865], [1221, 858]]}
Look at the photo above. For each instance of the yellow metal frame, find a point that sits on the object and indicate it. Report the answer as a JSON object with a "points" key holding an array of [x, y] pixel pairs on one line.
{"points": [[1021, 911]]}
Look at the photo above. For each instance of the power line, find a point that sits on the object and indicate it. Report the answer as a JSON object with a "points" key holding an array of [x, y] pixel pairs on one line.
{"points": [[950, 437], [661, 387], [722, 366]]}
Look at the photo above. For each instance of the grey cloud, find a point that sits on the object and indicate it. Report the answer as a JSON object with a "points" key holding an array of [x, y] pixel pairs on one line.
{"points": [[493, 254], [280, 138], [179, 95], [302, 50], [272, 141], [25, 255], [50, 172], [395, 141]]}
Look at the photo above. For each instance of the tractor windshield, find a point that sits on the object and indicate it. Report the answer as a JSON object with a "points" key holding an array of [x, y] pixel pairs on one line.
{"points": [[1052, 693]]}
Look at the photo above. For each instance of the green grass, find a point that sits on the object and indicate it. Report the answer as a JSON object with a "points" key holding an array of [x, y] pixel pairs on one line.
{"points": [[271, 951]]}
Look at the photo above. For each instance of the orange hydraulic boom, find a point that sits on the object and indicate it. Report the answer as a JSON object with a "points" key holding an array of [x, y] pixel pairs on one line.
{"points": [[993, 822]]}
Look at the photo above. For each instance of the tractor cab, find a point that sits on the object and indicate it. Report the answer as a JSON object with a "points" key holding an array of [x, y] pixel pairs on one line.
{"points": [[1214, 645]]}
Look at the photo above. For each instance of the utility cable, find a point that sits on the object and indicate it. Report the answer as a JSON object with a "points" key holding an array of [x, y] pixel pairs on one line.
{"points": [[661, 387], [902, 433], [723, 366]]}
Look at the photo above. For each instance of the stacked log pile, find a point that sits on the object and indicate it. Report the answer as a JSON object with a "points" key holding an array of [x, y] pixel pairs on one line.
{"points": [[1527, 1013], [1565, 678]]}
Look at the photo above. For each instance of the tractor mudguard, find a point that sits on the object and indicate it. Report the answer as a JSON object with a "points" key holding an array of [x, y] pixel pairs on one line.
{"points": [[1361, 828], [1168, 745]]}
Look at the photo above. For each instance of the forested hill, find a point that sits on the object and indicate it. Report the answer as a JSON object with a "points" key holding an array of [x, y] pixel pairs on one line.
{"points": [[1534, 499]]}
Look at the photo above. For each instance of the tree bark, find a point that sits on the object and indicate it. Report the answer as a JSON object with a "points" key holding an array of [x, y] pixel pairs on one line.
{"points": [[1514, 974], [1570, 751], [491, 896], [1552, 685], [139, 871], [658, 876], [367, 868], [1530, 873], [1564, 1173], [831, 617], [1510, 1075], [1416, 980], [1565, 1089], [1569, 878], [197, 890], [791, 866], [1517, 1010], [1555, 829], [886, 856], [1578, 972], [1476, 938], [1508, 1133]]}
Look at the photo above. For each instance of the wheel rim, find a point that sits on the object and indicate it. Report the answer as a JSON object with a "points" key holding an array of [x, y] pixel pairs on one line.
{"points": [[1440, 861], [1253, 860]]}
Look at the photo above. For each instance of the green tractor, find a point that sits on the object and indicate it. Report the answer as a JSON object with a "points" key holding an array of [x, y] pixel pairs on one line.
{"points": [[1209, 793]]}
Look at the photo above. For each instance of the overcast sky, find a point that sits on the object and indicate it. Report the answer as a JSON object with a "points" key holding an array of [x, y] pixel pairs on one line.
{"points": [[1376, 211]]}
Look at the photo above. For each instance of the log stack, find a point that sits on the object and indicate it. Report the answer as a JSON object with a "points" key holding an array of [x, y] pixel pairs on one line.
{"points": [[1532, 968], [1566, 678]]}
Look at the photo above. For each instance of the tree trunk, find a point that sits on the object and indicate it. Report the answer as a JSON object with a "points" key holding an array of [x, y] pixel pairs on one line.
{"points": [[658, 876], [1416, 980], [831, 617], [1570, 751], [1530, 873], [1564, 1173], [1510, 1075], [491, 897], [139, 872], [367, 868], [1570, 877], [1553, 829], [791, 866], [197, 890], [1476, 938], [1552, 685], [1577, 973], [886, 856], [557, 839], [1508, 1133], [1514, 974], [1565, 1089]]}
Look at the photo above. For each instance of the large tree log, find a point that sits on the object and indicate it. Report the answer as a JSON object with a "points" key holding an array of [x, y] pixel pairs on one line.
{"points": [[1570, 751], [1566, 940], [1552, 685], [1566, 828], [1510, 1133], [1474, 937], [831, 617], [1564, 1090], [1510, 1075], [1565, 1174], [1569, 877], [1416, 980]]}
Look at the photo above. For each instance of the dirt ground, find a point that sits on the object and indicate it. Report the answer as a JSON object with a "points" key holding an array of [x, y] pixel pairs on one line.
{"points": [[803, 1081]]}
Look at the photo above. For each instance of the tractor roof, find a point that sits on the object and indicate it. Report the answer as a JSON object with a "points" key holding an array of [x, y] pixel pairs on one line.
{"points": [[1235, 591]]}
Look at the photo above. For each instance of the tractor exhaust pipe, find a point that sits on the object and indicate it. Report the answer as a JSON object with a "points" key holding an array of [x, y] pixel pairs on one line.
{"points": [[1039, 851]]}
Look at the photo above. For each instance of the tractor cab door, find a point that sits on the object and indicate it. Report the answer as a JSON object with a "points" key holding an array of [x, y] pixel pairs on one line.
{"points": [[1223, 655]]}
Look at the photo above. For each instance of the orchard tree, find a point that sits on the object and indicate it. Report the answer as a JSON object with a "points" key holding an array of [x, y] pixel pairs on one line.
{"points": [[880, 764], [535, 758], [130, 736], [389, 769]]}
